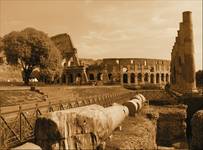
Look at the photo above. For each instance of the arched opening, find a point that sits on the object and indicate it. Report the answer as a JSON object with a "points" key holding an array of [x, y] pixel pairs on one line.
{"points": [[91, 76], [132, 78], [70, 78], [146, 77], [157, 78], [167, 77], [78, 79], [139, 77], [63, 78], [162, 77], [110, 77], [125, 78], [99, 76], [152, 78]]}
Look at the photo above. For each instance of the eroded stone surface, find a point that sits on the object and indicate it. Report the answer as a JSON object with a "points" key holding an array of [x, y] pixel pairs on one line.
{"points": [[197, 130]]}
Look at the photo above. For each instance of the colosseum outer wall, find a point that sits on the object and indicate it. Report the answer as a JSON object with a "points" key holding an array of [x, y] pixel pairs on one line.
{"points": [[131, 71]]}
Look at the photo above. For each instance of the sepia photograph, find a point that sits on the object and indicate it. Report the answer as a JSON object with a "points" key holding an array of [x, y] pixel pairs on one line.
{"points": [[101, 75]]}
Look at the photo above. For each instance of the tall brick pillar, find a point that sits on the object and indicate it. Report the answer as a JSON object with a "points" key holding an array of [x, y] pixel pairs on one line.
{"points": [[189, 61], [182, 58]]}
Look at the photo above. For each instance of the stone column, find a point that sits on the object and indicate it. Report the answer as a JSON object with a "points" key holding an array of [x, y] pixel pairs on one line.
{"points": [[136, 82], [160, 78], [189, 64], [129, 82]]}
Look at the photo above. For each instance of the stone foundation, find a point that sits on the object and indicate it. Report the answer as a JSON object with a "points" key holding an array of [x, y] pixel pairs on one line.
{"points": [[171, 126], [197, 130]]}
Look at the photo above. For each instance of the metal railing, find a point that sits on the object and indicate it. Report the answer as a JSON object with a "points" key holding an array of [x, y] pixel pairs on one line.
{"points": [[17, 122]]}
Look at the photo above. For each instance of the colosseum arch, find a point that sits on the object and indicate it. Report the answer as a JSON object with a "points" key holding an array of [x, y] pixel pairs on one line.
{"points": [[70, 78], [162, 77], [63, 78], [78, 79], [132, 78], [157, 78], [146, 77], [99, 76], [152, 78], [125, 78], [110, 76], [91, 76], [167, 77], [139, 77]]}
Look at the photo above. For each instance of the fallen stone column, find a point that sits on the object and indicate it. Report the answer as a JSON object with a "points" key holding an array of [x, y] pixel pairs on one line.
{"points": [[78, 128], [82, 127], [135, 104]]}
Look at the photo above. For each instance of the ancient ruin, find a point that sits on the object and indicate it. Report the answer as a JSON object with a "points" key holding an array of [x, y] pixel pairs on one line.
{"points": [[125, 71], [182, 57], [73, 72], [144, 116], [131, 71]]}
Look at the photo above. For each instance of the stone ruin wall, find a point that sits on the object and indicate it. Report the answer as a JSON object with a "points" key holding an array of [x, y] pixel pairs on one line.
{"points": [[197, 130], [182, 57], [131, 71]]}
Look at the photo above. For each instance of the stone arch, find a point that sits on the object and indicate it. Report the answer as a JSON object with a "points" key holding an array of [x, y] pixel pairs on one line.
{"points": [[167, 77], [146, 77], [70, 78], [78, 79], [139, 77], [99, 76], [132, 78], [157, 78], [162, 77], [125, 78], [63, 78], [152, 78], [110, 76], [91, 76]]}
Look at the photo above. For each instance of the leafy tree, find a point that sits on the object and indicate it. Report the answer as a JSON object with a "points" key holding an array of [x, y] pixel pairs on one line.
{"points": [[31, 48], [51, 69]]}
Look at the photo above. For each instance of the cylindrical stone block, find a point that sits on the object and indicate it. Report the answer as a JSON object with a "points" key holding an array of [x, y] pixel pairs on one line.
{"points": [[143, 98], [117, 114], [132, 107]]}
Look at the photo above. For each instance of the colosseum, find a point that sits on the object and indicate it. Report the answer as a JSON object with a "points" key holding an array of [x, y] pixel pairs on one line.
{"points": [[137, 72], [130, 71]]}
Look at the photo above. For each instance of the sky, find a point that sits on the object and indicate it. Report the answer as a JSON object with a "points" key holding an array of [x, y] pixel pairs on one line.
{"points": [[108, 28]]}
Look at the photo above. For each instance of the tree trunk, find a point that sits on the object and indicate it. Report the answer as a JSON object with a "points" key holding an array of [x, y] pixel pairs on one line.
{"points": [[26, 75]]}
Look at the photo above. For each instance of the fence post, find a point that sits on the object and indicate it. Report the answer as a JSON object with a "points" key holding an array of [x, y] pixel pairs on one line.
{"points": [[20, 110], [36, 110]]}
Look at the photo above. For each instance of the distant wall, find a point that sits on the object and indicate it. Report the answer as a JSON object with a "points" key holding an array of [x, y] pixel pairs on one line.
{"points": [[131, 71]]}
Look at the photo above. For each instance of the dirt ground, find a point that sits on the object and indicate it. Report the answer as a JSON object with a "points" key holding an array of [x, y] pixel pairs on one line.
{"points": [[137, 132]]}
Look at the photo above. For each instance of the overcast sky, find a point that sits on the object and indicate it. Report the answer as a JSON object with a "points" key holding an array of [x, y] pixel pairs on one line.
{"points": [[108, 28]]}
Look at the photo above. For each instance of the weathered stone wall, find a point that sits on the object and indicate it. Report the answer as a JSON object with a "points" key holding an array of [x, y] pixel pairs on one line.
{"points": [[132, 71], [197, 130], [171, 125]]}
